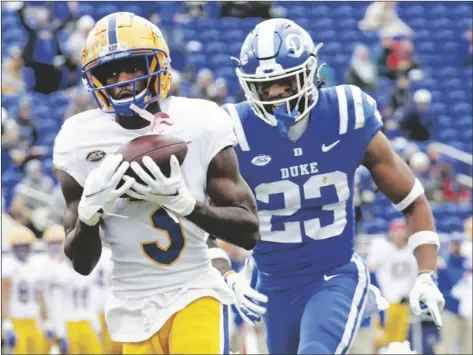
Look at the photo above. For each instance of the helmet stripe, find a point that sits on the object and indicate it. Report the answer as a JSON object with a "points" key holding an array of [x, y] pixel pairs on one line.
{"points": [[112, 29], [266, 42]]}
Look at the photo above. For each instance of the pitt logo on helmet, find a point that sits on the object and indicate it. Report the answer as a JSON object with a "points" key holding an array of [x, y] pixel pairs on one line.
{"points": [[120, 36]]}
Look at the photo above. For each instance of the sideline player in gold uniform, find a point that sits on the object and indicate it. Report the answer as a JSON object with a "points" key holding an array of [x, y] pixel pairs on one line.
{"points": [[166, 296], [22, 297]]}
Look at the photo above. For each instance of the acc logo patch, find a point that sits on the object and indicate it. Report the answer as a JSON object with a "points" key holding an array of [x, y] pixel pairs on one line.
{"points": [[95, 156], [261, 160]]}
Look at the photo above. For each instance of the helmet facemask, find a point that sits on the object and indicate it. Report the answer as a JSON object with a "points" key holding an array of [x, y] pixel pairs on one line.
{"points": [[156, 68], [283, 112]]}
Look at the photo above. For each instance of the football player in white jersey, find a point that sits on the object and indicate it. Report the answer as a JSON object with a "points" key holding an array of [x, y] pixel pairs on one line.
{"points": [[396, 271], [22, 297], [50, 265], [166, 296]]}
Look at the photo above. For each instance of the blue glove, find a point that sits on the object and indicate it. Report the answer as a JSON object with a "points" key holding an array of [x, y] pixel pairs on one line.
{"points": [[10, 338]]}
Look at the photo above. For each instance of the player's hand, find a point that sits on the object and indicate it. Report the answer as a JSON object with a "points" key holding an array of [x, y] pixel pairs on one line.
{"points": [[170, 192], [399, 348], [248, 301], [426, 293], [9, 333], [100, 190]]}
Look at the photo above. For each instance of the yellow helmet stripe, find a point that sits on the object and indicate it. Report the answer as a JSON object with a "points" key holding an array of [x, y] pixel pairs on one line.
{"points": [[112, 29]]}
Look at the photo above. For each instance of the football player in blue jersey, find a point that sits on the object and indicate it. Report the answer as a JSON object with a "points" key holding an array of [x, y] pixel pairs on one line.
{"points": [[299, 147]]}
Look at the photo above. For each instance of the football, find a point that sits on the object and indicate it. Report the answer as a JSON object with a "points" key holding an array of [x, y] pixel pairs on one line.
{"points": [[158, 147]]}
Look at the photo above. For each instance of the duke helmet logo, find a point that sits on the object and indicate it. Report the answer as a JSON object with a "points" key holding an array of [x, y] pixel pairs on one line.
{"points": [[261, 160], [294, 45], [95, 156]]}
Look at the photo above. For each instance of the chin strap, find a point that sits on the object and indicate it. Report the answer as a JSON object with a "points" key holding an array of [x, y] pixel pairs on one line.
{"points": [[158, 121], [285, 120]]}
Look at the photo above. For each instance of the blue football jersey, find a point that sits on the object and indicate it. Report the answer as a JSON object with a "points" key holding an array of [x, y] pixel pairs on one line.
{"points": [[304, 189]]}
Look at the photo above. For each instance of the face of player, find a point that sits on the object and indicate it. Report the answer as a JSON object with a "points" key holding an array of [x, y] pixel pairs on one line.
{"points": [[22, 251], [399, 237], [277, 89], [55, 250], [123, 70]]}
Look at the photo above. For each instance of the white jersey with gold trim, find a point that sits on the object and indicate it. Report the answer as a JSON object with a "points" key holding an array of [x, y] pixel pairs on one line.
{"points": [[154, 252], [26, 281], [396, 268]]}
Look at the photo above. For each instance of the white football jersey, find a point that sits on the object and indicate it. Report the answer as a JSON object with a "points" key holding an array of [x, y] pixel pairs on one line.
{"points": [[396, 269], [53, 291], [153, 252], [26, 281], [81, 295]]}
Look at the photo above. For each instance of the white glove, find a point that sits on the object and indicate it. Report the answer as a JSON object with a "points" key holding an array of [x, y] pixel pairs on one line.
{"points": [[399, 348], [248, 299], [425, 292], [170, 192], [100, 190]]}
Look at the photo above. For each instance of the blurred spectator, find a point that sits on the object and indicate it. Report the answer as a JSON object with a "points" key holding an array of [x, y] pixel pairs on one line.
{"points": [[362, 71], [28, 131], [202, 84], [21, 136], [42, 52], [171, 32], [81, 101], [400, 95], [242, 9], [218, 92], [415, 80], [456, 331], [190, 10], [382, 17], [57, 205], [77, 39], [32, 192], [12, 73], [420, 164], [418, 119], [401, 58], [381, 55], [76, 42]]}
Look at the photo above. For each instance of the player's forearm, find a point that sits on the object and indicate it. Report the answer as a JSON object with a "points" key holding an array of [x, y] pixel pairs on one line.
{"points": [[419, 218], [83, 246], [235, 224]]}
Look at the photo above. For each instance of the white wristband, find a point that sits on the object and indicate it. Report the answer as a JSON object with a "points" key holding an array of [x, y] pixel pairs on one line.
{"points": [[7, 325], [218, 253], [423, 237], [416, 191]]}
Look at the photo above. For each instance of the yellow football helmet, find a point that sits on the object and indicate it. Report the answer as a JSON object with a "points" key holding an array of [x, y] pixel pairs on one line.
{"points": [[119, 36], [21, 236], [21, 240], [54, 234]]}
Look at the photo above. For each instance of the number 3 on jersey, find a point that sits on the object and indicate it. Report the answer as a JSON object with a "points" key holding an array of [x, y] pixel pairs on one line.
{"points": [[163, 222], [293, 202]]}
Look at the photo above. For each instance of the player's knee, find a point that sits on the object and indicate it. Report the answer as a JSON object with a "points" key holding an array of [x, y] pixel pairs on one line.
{"points": [[314, 347]]}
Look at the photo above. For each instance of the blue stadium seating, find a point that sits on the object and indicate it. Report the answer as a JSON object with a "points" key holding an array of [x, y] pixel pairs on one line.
{"points": [[439, 28]]}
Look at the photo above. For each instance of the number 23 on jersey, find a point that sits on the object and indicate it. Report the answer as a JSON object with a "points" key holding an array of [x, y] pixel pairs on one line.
{"points": [[295, 198]]}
